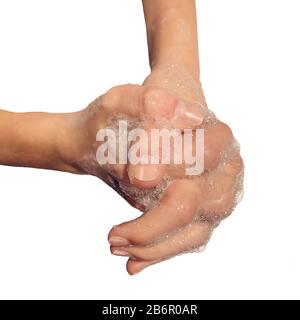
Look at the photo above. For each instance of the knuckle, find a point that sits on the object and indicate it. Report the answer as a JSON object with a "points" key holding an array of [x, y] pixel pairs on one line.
{"points": [[109, 97], [225, 130], [217, 139], [148, 95], [211, 156], [204, 231], [113, 96], [157, 102], [186, 215], [239, 165], [235, 167], [224, 207]]}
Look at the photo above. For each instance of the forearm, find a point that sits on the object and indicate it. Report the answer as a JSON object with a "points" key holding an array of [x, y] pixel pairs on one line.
{"points": [[172, 34], [38, 140]]}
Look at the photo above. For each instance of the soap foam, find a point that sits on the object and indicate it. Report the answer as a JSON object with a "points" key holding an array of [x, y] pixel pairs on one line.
{"points": [[149, 198]]}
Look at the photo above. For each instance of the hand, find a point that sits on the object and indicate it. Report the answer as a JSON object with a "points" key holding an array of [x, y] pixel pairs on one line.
{"points": [[143, 105], [190, 208]]}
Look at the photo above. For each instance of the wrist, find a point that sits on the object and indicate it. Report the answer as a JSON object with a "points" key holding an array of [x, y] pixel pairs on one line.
{"points": [[77, 142], [68, 142], [172, 39]]}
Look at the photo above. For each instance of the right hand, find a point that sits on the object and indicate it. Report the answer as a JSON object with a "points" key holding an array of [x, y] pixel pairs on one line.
{"points": [[191, 207]]}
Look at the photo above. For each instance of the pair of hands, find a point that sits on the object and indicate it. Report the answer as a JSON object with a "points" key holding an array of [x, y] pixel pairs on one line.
{"points": [[189, 207]]}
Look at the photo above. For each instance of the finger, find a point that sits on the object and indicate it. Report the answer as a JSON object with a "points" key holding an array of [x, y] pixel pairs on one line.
{"points": [[218, 142], [163, 149], [189, 238], [223, 187], [145, 169], [217, 137], [135, 266], [177, 208], [155, 103], [146, 175]]}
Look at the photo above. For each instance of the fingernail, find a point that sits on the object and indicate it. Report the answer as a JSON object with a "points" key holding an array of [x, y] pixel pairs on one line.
{"points": [[188, 113], [120, 253], [118, 241], [144, 172]]}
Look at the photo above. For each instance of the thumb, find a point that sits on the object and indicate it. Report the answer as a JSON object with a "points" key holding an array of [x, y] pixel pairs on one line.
{"points": [[146, 175]]}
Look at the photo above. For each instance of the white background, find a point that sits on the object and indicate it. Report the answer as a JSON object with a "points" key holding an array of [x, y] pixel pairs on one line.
{"points": [[58, 56]]}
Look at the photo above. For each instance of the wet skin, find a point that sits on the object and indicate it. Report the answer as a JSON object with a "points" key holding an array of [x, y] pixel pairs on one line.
{"points": [[190, 206]]}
